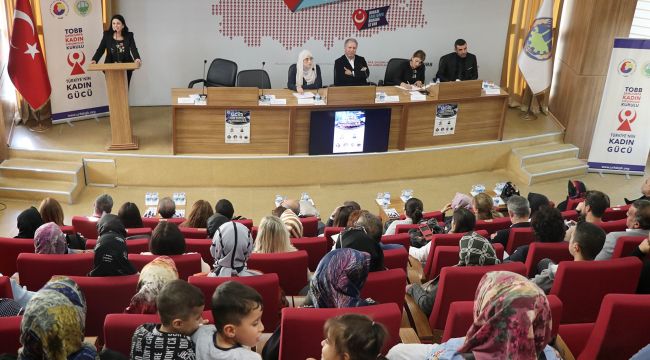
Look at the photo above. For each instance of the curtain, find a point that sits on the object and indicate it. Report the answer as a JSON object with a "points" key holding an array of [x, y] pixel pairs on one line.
{"points": [[522, 14]]}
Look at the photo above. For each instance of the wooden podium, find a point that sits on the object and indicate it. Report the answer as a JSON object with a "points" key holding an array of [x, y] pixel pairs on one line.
{"points": [[118, 103]]}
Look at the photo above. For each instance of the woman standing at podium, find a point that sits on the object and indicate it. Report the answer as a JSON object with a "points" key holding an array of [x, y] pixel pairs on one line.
{"points": [[119, 44]]}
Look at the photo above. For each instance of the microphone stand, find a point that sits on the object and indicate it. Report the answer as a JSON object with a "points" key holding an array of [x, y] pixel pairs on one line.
{"points": [[203, 94]]}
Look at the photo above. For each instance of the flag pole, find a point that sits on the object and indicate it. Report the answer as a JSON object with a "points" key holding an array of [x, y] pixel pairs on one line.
{"points": [[40, 126], [528, 114]]}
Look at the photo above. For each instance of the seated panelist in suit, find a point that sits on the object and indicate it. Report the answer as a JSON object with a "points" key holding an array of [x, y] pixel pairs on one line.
{"points": [[351, 69], [412, 73], [304, 74], [458, 65], [119, 44]]}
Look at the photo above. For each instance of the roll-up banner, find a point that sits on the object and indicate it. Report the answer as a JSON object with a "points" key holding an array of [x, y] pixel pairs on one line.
{"points": [[622, 136], [72, 30]]}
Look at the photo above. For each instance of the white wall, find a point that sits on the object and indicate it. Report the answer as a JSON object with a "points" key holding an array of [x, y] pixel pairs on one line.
{"points": [[174, 37]]}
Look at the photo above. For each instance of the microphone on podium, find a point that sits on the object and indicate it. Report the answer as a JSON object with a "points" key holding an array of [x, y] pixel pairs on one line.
{"points": [[263, 97], [204, 95]]}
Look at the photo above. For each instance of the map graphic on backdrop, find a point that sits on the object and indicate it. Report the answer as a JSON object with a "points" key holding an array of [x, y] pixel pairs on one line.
{"points": [[252, 20]]}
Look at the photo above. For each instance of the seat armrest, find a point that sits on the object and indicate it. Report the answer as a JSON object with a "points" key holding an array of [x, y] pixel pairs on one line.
{"points": [[415, 271], [418, 318], [408, 336], [563, 349], [194, 82]]}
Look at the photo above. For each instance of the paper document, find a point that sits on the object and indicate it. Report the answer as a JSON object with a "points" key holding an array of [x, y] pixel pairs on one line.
{"points": [[186, 100], [414, 88], [305, 95], [416, 96]]}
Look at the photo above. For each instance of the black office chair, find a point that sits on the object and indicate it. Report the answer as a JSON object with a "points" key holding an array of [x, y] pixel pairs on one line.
{"points": [[254, 78], [221, 72], [393, 70]]}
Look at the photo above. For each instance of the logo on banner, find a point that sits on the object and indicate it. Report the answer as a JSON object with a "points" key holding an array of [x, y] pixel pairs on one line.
{"points": [[627, 67], [82, 7], [626, 117], [76, 60], [74, 38], [368, 19], [59, 9], [539, 42], [646, 70]]}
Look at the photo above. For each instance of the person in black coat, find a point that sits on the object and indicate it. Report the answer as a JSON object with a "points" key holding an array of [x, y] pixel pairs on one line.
{"points": [[119, 44], [309, 75], [458, 65], [412, 72], [351, 69]]}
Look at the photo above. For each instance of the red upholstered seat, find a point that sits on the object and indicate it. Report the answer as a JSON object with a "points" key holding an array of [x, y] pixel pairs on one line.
{"points": [[611, 226], [401, 239], [554, 251], [309, 226], [388, 286], [625, 245], [187, 264], [493, 225], [67, 229], [570, 215], [138, 231], [105, 295], [267, 285], [10, 334], [404, 228], [119, 329], [86, 225], [136, 246], [10, 248], [449, 256], [433, 214], [176, 221], [37, 269], [615, 213], [459, 284], [201, 246], [328, 232], [5, 288], [291, 268], [302, 328], [316, 248], [194, 233], [518, 237], [575, 336], [571, 204], [443, 240], [150, 222], [246, 222], [581, 285], [396, 259], [461, 317]]}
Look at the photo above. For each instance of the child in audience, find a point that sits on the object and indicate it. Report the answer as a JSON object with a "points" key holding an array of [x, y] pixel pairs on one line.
{"points": [[413, 210], [463, 221], [180, 306], [237, 311], [353, 336], [586, 242]]}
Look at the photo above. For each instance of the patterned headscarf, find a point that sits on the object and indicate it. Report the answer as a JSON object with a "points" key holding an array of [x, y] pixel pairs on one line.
{"points": [[292, 223], [512, 319], [49, 239], [475, 250], [153, 277], [231, 247], [461, 200], [53, 324], [339, 278], [28, 221]]}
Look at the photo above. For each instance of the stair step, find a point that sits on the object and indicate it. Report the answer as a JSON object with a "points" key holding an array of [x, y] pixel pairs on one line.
{"points": [[544, 153], [41, 169], [36, 189], [555, 169]]}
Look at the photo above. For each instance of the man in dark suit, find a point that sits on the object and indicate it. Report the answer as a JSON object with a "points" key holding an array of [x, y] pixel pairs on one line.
{"points": [[519, 212], [351, 69], [458, 65]]}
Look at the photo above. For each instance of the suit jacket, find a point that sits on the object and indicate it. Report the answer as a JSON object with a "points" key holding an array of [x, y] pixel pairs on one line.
{"points": [[502, 235], [291, 81], [611, 238], [109, 45], [359, 78], [448, 68]]}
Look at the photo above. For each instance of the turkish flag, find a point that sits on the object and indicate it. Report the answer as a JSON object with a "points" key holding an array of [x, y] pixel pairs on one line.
{"points": [[26, 63]]}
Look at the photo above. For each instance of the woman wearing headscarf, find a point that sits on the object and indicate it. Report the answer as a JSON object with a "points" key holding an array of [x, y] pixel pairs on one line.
{"points": [[305, 74], [231, 246], [53, 324], [111, 254], [153, 277], [475, 250], [356, 238], [536, 202], [27, 222], [338, 280], [512, 320]]}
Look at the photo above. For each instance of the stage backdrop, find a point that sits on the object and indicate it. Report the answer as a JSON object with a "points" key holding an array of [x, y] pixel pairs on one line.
{"points": [[174, 37]]}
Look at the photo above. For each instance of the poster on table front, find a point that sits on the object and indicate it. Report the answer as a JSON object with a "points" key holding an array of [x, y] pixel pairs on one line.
{"points": [[445, 122], [72, 31], [620, 142], [238, 127]]}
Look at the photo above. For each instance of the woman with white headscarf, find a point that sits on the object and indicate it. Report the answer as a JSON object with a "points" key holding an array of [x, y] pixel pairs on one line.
{"points": [[305, 74], [231, 246]]}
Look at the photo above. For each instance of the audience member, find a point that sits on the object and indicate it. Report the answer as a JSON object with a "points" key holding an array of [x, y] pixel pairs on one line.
{"points": [[645, 192], [351, 69], [475, 250], [167, 239], [341, 216], [153, 277], [512, 320], [638, 224], [462, 221], [536, 201], [111, 257], [357, 238], [130, 216], [460, 200], [231, 247], [291, 204], [166, 208], [548, 226], [304, 74], [642, 252], [225, 208], [586, 242], [484, 207], [372, 224], [27, 222], [519, 213], [237, 311], [591, 210], [214, 222], [103, 205], [54, 322], [576, 190], [413, 209], [352, 205], [353, 336], [292, 222], [180, 306], [272, 237], [51, 211], [199, 215]]}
